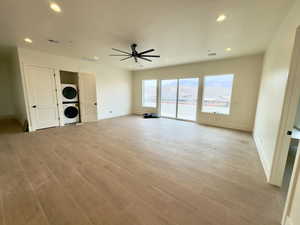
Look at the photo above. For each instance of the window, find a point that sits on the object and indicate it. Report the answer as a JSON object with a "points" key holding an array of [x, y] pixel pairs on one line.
{"points": [[149, 90], [217, 94]]}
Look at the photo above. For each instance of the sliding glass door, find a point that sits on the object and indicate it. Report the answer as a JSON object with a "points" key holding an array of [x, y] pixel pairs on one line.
{"points": [[187, 98], [179, 98], [168, 99]]}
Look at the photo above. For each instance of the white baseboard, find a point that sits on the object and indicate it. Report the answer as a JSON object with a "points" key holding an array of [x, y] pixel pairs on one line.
{"points": [[288, 221], [228, 125], [262, 156], [222, 124], [114, 116]]}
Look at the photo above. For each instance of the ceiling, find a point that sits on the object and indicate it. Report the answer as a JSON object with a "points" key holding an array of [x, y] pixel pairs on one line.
{"points": [[180, 31]]}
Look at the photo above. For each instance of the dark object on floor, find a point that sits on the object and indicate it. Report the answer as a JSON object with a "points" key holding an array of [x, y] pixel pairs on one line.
{"points": [[151, 115], [26, 126]]}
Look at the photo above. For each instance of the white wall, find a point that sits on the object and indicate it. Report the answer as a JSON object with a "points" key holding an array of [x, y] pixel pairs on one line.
{"points": [[17, 87], [247, 71], [113, 84], [273, 85], [6, 99]]}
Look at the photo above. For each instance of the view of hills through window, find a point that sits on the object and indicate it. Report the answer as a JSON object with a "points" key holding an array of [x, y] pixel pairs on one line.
{"points": [[217, 94], [187, 98], [168, 98], [178, 97], [149, 93]]}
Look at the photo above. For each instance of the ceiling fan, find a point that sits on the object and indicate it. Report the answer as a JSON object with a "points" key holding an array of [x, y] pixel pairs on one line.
{"points": [[135, 54]]}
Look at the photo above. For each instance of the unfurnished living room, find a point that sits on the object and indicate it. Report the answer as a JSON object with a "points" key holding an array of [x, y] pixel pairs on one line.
{"points": [[149, 112]]}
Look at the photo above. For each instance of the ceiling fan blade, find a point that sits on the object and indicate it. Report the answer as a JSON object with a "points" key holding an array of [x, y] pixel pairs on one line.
{"points": [[144, 52], [118, 55], [145, 59], [121, 51], [157, 56], [126, 58]]}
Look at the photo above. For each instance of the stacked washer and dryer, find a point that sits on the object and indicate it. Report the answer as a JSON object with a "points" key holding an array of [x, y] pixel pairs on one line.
{"points": [[70, 100]]}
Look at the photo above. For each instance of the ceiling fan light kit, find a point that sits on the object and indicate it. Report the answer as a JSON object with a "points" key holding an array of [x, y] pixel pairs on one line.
{"points": [[135, 54]]}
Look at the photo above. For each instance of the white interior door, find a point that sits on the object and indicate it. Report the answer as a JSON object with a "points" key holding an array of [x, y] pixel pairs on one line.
{"points": [[88, 97], [42, 97]]}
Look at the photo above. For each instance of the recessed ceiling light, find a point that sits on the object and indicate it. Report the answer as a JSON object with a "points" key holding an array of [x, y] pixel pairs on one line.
{"points": [[28, 40], [55, 7], [228, 49], [221, 18], [96, 58]]}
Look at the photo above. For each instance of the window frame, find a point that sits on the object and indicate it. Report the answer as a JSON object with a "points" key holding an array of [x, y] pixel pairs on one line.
{"points": [[142, 95], [203, 96]]}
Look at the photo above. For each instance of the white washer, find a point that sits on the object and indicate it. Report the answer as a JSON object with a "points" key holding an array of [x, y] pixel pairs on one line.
{"points": [[69, 93], [71, 113]]}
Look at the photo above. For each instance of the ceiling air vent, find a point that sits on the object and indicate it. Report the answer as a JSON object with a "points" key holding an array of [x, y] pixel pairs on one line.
{"points": [[53, 41], [90, 59], [212, 54]]}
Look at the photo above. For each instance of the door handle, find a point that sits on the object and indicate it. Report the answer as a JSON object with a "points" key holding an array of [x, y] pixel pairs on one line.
{"points": [[289, 132], [95, 103], [34, 106]]}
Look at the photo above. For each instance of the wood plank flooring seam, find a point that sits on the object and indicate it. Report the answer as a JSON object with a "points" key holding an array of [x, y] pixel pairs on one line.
{"points": [[69, 195], [2, 209], [132, 171], [141, 199], [32, 189], [94, 187]]}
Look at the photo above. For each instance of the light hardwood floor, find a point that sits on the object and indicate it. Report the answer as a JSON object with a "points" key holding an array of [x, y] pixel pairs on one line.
{"points": [[132, 171]]}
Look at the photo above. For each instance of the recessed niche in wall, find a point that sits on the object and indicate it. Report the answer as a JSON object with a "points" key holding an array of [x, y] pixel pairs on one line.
{"points": [[67, 77]]}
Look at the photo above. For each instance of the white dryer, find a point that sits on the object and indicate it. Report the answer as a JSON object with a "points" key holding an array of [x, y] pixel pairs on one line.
{"points": [[69, 93], [71, 113]]}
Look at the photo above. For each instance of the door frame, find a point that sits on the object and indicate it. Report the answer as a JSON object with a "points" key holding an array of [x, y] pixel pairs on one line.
{"points": [[177, 95], [292, 188], [289, 109]]}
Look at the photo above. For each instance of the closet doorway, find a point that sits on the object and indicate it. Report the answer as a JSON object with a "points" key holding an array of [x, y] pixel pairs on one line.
{"points": [[178, 98]]}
